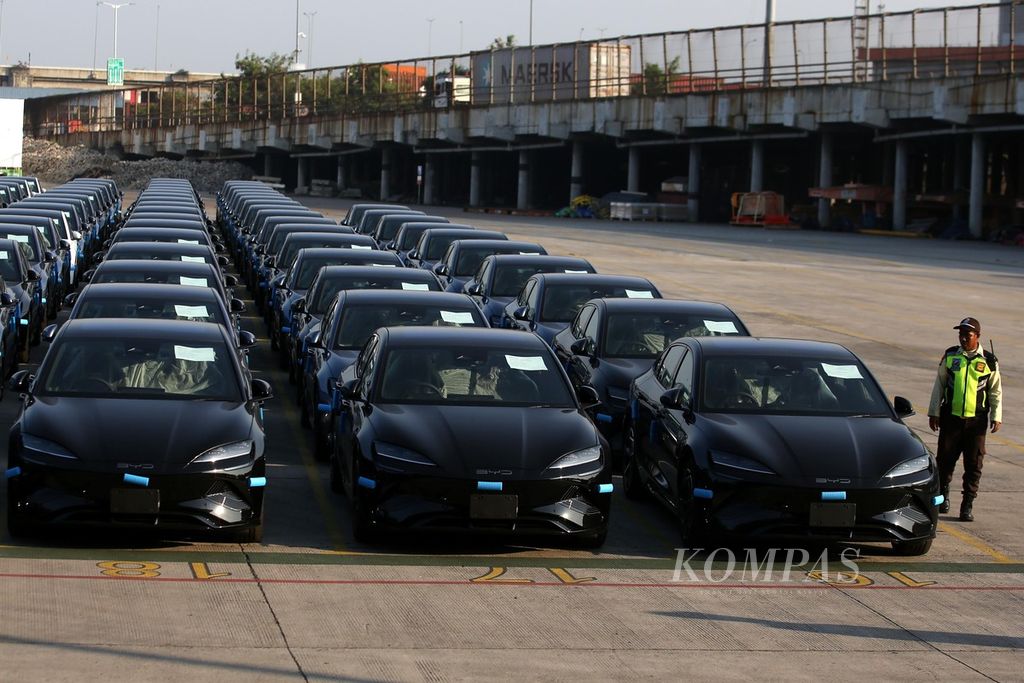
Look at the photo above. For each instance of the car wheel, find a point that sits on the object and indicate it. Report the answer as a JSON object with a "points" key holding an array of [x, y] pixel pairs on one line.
{"points": [[293, 376], [16, 524], [632, 486], [907, 548], [304, 416], [320, 450], [593, 541], [37, 330], [337, 485]]}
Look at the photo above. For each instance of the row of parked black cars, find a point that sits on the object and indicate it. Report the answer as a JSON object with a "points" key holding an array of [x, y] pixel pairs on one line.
{"points": [[455, 380]]}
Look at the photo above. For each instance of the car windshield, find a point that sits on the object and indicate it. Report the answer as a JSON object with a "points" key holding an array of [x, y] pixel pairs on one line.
{"points": [[138, 307], [141, 368], [561, 302], [471, 258], [308, 269], [27, 241], [789, 386], [9, 267], [438, 245], [410, 236], [290, 251], [322, 293], [132, 254], [358, 322], [508, 280], [473, 376], [645, 335]]}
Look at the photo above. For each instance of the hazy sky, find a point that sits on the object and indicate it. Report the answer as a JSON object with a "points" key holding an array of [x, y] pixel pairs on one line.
{"points": [[205, 35]]}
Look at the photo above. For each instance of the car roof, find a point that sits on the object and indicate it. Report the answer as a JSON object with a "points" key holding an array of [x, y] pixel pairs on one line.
{"points": [[531, 259], [408, 274], [362, 297], [363, 255], [627, 305], [480, 337], [112, 290], [590, 278], [145, 265], [745, 346], [149, 328], [447, 231], [505, 244], [170, 247]]}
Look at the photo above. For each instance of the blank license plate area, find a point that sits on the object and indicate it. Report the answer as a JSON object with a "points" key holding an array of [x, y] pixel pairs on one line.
{"points": [[833, 514], [494, 506], [134, 502]]}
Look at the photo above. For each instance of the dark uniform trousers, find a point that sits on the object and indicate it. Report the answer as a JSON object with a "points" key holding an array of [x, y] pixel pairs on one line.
{"points": [[964, 435]]}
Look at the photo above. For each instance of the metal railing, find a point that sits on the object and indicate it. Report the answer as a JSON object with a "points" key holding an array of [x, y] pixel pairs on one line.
{"points": [[947, 42]]}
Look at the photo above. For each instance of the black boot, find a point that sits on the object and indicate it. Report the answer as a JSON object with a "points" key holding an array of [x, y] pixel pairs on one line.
{"points": [[944, 505], [966, 515]]}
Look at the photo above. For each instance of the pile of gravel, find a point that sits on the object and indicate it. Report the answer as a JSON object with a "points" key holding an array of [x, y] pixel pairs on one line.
{"points": [[56, 164]]}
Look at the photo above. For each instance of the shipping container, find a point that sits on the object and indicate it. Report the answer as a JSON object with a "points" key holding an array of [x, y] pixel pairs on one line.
{"points": [[551, 72]]}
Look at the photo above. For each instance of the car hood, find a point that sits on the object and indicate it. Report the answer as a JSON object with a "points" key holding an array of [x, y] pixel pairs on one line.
{"points": [[165, 434], [620, 372], [485, 442], [816, 450]]}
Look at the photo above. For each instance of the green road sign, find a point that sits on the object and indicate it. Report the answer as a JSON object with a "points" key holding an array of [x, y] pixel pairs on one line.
{"points": [[115, 71]]}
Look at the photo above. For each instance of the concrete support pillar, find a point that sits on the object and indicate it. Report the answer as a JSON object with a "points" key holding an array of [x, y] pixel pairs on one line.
{"points": [[633, 177], [523, 188], [268, 164], [302, 176], [899, 189], [341, 180], [429, 180], [385, 173], [475, 162], [756, 165], [959, 164], [576, 177], [825, 179], [974, 209], [693, 184]]}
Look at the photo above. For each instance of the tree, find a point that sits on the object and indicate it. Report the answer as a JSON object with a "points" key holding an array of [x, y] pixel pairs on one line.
{"points": [[252, 65], [656, 79], [499, 42]]}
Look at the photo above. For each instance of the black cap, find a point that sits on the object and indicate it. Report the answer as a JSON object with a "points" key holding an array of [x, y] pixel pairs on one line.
{"points": [[970, 323]]}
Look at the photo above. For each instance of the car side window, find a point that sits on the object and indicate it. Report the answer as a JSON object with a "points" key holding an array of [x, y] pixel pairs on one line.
{"points": [[482, 273], [449, 255], [524, 294], [580, 323], [533, 299], [684, 377], [592, 329], [669, 364], [366, 365]]}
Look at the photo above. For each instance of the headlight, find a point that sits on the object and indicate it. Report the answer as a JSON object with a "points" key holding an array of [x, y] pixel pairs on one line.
{"points": [[587, 456], [918, 464], [47, 448], [618, 395], [389, 454], [227, 457], [738, 462]]}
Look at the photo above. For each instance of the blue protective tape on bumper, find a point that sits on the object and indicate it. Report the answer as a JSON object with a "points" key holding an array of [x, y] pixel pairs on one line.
{"points": [[257, 482], [136, 480], [605, 488], [323, 407], [44, 299], [634, 408], [488, 486], [23, 321], [264, 285], [286, 330], [12, 473], [706, 494], [938, 500], [366, 483], [604, 417], [833, 495]]}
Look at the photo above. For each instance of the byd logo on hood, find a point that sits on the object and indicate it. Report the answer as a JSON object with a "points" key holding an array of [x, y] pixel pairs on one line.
{"points": [[134, 466]]}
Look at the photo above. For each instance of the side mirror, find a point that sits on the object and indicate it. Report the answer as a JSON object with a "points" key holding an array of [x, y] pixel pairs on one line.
{"points": [[218, 246], [270, 262], [49, 332], [389, 245], [222, 261], [587, 396], [315, 339], [903, 407], [230, 281], [236, 306], [348, 390], [31, 276], [7, 299], [580, 347], [21, 381], [246, 340], [70, 299], [522, 313], [75, 235], [50, 257], [474, 289], [107, 243], [299, 306], [414, 254], [442, 269], [99, 256], [672, 399], [87, 275], [261, 390], [65, 244]]}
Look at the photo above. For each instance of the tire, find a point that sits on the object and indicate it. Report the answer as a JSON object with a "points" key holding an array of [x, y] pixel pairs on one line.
{"points": [[17, 527], [321, 450], [593, 541], [37, 331], [632, 486], [908, 548], [305, 419], [337, 485]]}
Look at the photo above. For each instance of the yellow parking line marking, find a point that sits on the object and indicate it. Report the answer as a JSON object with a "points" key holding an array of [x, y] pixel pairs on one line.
{"points": [[1002, 441], [975, 542], [566, 577], [201, 571], [316, 483], [909, 582]]}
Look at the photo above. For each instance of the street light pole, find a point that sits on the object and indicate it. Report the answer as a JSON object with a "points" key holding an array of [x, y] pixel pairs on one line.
{"points": [[531, 23], [309, 38], [156, 43], [295, 58], [430, 32], [769, 39], [116, 6], [1, 29]]}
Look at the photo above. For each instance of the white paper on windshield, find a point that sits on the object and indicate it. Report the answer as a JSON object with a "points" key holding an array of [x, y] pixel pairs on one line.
{"points": [[577, 272], [529, 253], [362, 246], [18, 238], [415, 287], [384, 265], [193, 259], [457, 317], [202, 354], [191, 311], [181, 241], [842, 371], [638, 294], [193, 281], [721, 326], [528, 363], [4, 256]]}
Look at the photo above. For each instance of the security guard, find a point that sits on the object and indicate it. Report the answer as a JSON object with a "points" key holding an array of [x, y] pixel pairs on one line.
{"points": [[967, 396]]}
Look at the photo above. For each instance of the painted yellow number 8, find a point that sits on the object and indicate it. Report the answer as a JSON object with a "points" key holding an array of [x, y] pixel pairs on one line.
{"points": [[145, 570]]}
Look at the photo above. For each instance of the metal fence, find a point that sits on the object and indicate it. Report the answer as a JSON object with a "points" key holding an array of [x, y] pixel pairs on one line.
{"points": [[959, 41]]}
